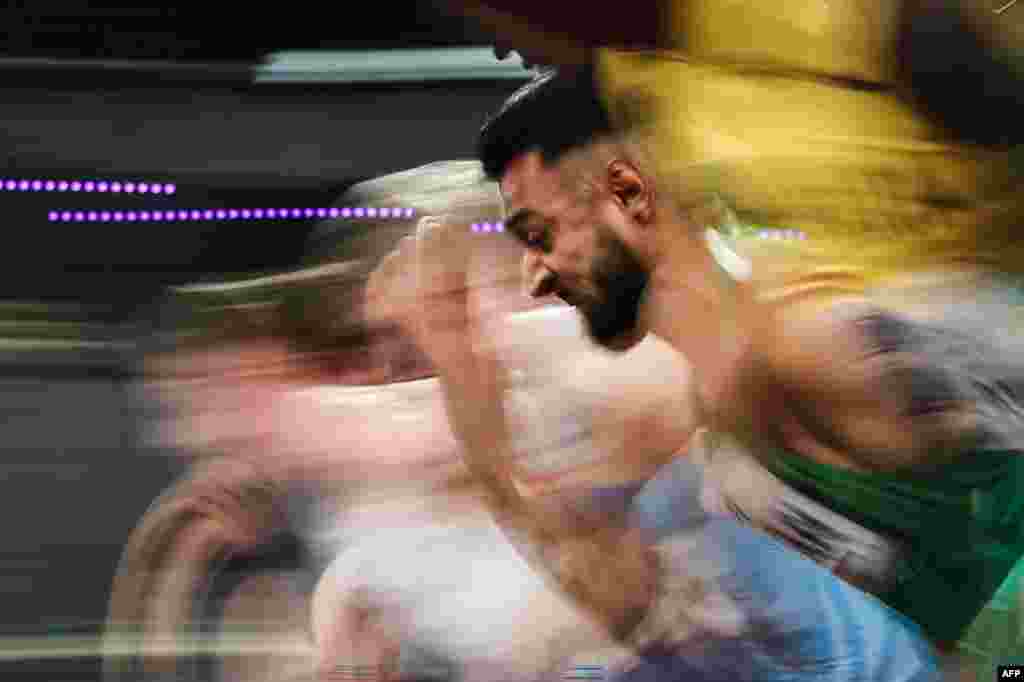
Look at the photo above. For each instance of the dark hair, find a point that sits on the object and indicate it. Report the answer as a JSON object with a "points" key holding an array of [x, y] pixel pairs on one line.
{"points": [[558, 111]]}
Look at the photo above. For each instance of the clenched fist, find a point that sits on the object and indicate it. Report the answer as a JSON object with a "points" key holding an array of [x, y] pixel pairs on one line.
{"points": [[422, 284]]}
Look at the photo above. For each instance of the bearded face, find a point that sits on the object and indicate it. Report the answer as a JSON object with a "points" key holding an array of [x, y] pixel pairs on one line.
{"points": [[619, 280]]}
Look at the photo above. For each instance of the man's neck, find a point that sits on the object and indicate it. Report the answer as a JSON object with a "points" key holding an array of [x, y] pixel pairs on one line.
{"points": [[702, 312]]}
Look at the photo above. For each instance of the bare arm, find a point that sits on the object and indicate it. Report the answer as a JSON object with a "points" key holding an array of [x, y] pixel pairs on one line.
{"points": [[603, 570], [869, 389]]}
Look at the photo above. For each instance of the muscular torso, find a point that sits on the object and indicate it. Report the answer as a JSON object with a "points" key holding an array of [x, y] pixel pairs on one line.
{"points": [[891, 396], [869, 385]]}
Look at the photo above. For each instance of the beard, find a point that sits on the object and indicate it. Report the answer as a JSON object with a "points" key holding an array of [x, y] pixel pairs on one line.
{"points": [[612, 316]]}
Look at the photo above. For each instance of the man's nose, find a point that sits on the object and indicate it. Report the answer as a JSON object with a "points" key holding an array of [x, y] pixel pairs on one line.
{"points": [[538, 279]]}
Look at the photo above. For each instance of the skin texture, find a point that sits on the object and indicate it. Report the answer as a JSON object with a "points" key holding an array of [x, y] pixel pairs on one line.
{"points": [[804, 376], [280, 427], [639, 420], [435, 308], [842, 379]]}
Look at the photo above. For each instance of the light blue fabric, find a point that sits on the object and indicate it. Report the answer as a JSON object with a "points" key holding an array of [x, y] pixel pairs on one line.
{"points": [[806, 624]]}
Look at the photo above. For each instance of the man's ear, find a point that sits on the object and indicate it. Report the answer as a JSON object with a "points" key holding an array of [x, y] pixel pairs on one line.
{"points": [[633, 191]]}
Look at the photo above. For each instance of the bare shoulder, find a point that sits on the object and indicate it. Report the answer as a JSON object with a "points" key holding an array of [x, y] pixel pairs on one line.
{"points": [[811, 342], [874, 385]]}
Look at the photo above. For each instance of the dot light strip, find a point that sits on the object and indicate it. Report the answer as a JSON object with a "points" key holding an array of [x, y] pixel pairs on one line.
{"points": [[208, 214], [762, 234], [782, 234], [109, 186], [488, 227]]}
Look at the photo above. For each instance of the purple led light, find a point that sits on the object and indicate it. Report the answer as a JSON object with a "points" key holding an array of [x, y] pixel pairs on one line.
{"points": [[118, 216], [79, 217], [234, 214], [58, 185], [489, 227]]}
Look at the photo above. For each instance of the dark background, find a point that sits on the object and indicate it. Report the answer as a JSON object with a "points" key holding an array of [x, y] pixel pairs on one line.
{"points": [[223, 141], [77, 473], [209, 33]]}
